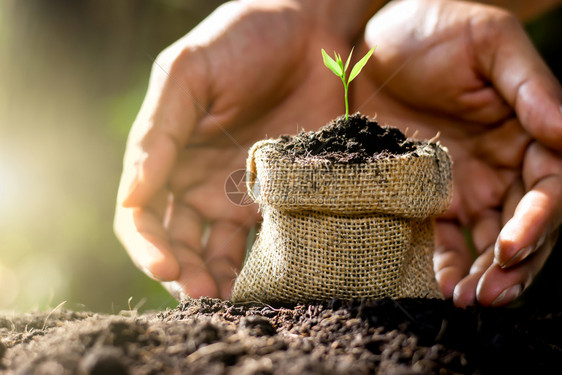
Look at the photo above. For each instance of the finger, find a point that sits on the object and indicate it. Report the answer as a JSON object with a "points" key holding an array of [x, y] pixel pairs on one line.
{"points": [[167, 116], [513, 196], [481, 184], [465, 292], [143, 235], [195, 280], [539, 163], [503, 146], [538, 213], [506, 56], [484, 234], [185, 227], [186, 230], [452, 258], [225, 252], [486, 230], [500, 286]]}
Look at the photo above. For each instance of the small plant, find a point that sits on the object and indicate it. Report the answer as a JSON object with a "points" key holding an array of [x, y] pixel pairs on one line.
{"points": [[337, 67]]}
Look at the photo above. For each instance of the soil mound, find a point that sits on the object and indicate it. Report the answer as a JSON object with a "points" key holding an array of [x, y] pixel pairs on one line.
{"points": [[355, 140]]}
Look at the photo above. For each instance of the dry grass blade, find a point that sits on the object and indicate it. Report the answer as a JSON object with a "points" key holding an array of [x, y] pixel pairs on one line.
{"points": [[51, 313]]}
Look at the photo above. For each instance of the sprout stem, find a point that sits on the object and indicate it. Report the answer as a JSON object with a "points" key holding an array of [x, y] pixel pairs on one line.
{"points": [[345, 88]]}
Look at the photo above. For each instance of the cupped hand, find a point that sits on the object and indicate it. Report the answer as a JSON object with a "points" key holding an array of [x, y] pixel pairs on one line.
{"points": [[470, 73], [250, 70]]}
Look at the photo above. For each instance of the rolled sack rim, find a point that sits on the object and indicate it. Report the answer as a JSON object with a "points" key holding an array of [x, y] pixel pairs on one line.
{"points": [[417, 184]]}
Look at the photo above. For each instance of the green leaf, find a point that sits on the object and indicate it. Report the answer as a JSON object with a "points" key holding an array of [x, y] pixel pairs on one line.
{"points": [[348, 60], [338, 58], [340, 64], [360, 64], [331, 64]]}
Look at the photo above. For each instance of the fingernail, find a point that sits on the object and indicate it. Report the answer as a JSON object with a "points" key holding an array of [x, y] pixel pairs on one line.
{"points": [[175, 289], [519, 256], [153, 276], [508, 295]]}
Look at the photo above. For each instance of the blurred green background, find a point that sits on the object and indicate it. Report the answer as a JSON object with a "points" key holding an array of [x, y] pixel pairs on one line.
{"points": [[72, 77]]}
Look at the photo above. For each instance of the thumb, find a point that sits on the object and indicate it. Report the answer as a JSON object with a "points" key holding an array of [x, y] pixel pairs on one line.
{"points": [[506, 56]]}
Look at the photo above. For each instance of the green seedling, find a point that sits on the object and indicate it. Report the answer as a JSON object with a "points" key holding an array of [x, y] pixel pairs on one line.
{"points": [[338, 68]]}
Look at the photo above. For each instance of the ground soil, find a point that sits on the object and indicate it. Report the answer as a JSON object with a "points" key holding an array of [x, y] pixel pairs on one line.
{"points": [[209, 336], [355, 140]]}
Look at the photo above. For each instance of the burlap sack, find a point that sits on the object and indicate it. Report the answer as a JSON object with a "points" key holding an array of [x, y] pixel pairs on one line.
{"points": [[348, 231]]}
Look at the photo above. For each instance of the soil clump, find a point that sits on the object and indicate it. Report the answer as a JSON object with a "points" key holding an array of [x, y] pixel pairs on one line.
{"points": [[211, 336]]}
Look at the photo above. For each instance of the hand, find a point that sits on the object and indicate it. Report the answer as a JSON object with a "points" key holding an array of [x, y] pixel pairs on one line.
{"points": [[252, 69], [469, 72]]}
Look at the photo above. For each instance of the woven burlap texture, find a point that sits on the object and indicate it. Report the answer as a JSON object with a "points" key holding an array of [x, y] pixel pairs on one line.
{"points": [[348, 231]]}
